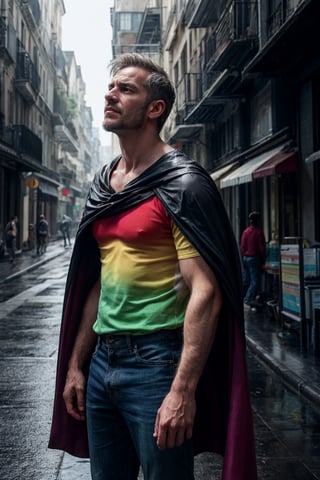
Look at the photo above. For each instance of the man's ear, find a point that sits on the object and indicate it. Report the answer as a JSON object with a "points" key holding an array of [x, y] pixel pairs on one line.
{"points": [[156, 108]]}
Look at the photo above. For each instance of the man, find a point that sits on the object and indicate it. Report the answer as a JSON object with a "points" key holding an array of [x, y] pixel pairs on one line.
{"points": [[154, 290], [65, 229], [11, 238], [42, 235], [253, 250]]}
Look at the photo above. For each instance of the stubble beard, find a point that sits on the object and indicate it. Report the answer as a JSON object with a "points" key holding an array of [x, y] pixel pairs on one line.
{"points": [[135, 123]]}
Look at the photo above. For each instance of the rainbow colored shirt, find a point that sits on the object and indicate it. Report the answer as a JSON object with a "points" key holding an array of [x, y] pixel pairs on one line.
{"points": [[141, 286]]}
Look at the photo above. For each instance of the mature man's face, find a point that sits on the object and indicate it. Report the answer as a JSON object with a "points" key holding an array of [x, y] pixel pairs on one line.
{"points": [[126, 101]]}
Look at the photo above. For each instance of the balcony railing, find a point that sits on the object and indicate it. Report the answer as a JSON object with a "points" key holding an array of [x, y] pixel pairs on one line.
{"points": [[280, 14], [65, 136], [192, 89], [27, 80], [24, 142], [189, 91], [238, 23], [60, 107]]}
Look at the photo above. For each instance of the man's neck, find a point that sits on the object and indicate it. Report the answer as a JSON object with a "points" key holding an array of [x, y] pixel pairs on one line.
{"points": [[139, 154]]}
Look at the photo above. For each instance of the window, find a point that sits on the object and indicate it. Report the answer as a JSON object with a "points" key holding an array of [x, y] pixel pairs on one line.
{"points": [[128, 22], [261, 115]]}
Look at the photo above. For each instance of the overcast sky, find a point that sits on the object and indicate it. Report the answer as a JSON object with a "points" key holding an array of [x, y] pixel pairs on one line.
{"points": [[86, 30]]}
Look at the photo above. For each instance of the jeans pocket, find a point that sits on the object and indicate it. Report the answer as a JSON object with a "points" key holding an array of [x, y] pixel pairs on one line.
{"points": [[164, 353]]}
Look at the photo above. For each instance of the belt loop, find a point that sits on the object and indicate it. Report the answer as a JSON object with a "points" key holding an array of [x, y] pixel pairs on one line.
{"points": [[129, 343]]}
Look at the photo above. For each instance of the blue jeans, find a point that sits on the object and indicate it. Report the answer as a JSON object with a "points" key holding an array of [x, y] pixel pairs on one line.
{"points": [[129, 377], [251, 278]]}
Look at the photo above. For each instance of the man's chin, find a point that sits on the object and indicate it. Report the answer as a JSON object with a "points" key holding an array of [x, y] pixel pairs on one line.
{"points": [[108, 128]]}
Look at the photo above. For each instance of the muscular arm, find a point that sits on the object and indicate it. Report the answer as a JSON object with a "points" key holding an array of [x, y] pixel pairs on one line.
{"points": [[175, 417], [74, 390]]}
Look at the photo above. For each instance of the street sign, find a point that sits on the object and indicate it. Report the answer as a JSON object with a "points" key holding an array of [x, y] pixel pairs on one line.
{"points": [[65, 191], [33, 183]]}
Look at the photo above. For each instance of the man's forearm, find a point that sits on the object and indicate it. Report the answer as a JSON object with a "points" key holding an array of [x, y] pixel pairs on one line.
{"points": [[86, 337], [200, 325], [74, 390]]}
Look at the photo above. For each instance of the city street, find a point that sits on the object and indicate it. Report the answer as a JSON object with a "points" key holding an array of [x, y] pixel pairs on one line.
{"points": [[287, 427]]}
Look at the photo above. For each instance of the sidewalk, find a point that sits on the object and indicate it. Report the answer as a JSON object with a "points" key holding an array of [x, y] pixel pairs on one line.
{"points": [[280, 350], [28, 260]]}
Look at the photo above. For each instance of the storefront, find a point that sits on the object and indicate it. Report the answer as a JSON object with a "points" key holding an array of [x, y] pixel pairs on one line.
{"points": [[266, 183]]}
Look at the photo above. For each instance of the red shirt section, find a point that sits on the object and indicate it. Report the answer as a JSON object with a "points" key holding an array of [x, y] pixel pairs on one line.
{"points": [[253, 243]]}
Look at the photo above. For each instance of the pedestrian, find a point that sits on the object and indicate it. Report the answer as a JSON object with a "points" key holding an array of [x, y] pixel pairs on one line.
{"points": [[153, 303], [11, 238], [65, 229], [31, 236], [42, 235], [253, 250]]}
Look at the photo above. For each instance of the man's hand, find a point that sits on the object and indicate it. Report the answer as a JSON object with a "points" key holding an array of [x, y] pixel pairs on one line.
{"points": [[175, 417], [74, 394]]}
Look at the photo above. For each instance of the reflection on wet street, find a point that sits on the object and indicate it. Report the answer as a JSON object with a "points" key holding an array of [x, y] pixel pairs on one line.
{"points": [[287, 427]]}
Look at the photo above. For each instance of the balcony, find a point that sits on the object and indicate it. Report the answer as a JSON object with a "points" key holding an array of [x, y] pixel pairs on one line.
{"points": [[235, 38], [60, 108], [63, 136], [281, 13], [32, 12], [27, 80], [202, 13], [66, 173], [185, 133], [8, 40], [188, 92], [201, 97], [290, 40], [27, 145]]}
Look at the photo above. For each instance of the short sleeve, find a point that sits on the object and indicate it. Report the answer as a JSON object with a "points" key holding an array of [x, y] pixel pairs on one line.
{"points": [[184, 248]]}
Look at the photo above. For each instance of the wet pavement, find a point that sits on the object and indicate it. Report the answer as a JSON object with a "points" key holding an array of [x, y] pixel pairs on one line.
{"points": [[284, 384]]}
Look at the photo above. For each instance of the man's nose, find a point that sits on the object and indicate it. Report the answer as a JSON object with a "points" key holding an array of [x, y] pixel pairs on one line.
{"points": [[110, 96]]}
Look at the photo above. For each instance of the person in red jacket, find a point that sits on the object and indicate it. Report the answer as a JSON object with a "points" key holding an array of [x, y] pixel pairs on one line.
{"points": [[253, 250]]}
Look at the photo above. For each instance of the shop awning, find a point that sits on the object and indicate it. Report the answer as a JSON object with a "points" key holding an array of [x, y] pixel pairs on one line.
{"points": [[280, 163], [218, 174], [48, 189], [244, 174]]}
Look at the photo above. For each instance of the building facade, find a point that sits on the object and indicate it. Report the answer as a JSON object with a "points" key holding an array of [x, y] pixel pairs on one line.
{"points": [[43, 118]]}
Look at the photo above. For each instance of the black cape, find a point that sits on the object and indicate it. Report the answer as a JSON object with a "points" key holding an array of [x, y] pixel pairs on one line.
{"points": [[223, 421]]}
